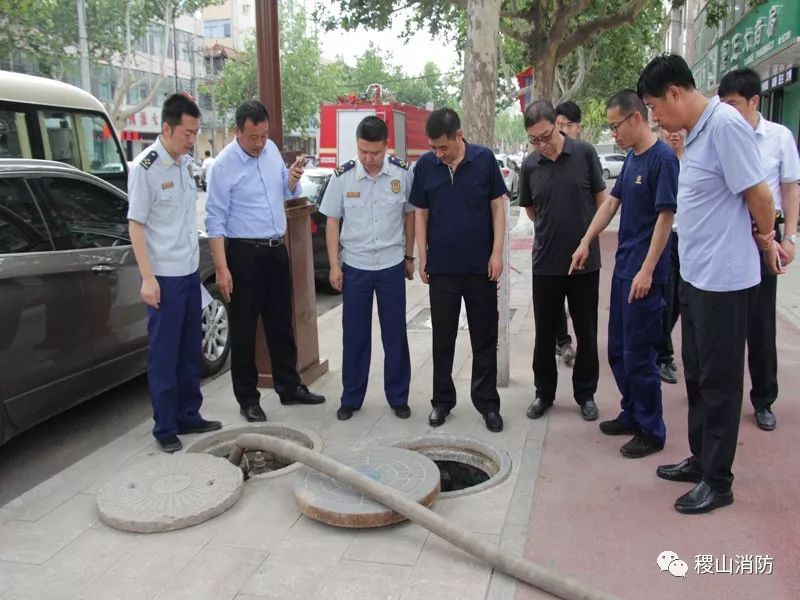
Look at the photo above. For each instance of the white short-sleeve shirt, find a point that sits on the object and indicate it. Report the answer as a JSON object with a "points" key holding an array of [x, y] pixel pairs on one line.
{"points": [[779, 154]]}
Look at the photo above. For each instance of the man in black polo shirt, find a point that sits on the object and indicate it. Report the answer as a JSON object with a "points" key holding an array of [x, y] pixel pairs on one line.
{"points": [[561, 186], [460, 223]]}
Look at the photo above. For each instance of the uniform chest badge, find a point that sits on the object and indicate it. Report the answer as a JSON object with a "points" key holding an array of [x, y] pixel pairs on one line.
{"points": [[396, 186], [354, 194], [638, 180], [167, 185]]}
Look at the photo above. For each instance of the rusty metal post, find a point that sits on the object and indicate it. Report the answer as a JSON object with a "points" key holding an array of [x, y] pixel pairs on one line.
{"points": [[269, 66]]}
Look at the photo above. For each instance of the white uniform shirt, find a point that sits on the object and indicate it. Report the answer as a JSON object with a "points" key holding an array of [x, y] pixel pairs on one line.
{"points": [[779, 155], [163, 197], [374, 209]]}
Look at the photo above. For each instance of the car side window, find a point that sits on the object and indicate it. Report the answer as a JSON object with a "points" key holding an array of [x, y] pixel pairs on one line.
{"points": [[84, 215], [22, 228]]}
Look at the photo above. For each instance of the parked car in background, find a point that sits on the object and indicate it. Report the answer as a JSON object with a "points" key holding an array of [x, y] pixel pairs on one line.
{"points": [[611, 164], [510, 172], [72, 323], [315, 181]]}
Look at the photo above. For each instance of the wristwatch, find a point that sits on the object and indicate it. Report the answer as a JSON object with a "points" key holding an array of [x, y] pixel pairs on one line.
{"points": [[791, 238], [411, 258]]}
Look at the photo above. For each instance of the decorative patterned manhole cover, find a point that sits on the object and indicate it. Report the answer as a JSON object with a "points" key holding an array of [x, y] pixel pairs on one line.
{"points": [[325, 499], [163, 493]]}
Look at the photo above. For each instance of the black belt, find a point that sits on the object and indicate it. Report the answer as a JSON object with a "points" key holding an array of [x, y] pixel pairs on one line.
{"points": [[260, 242], [779, 217]]}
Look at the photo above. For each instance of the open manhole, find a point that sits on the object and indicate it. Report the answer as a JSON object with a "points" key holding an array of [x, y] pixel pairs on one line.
{"points": [[258, 464], [466, 465]]}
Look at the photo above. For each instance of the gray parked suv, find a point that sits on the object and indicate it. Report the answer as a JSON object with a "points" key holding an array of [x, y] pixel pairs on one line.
{"points": [[71, 321]]}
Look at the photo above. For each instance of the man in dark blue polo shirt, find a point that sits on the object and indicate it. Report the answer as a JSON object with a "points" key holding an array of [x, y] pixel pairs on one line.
{"points": [[460, 221], [560, 187]]}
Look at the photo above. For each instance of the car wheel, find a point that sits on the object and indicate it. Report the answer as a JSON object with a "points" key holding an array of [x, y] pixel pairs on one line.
{"points": [[216, 333], [606, 174]]}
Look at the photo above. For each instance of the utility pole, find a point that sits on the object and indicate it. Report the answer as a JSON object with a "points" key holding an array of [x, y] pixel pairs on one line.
{"points": [[269, 66], [83, 47], [175, 48]]}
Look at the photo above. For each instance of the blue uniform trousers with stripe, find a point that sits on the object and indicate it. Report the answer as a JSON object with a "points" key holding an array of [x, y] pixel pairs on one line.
{"points": [[174, 359], [635, 335], [359, 287]]}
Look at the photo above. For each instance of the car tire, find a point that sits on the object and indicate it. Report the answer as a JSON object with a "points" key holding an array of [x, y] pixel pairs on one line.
{"points": [[216, 332], [606, 174]]}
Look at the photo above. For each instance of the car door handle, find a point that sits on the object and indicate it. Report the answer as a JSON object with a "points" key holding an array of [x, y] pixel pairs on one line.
{"points": [[102, 269]]}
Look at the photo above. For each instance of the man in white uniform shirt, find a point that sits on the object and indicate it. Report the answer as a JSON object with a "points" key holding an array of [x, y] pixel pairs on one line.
{"points": [[741, 89]]}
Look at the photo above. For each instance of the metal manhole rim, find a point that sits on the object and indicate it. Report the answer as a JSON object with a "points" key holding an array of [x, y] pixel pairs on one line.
{"points": [[461, 447], [215, 440]]}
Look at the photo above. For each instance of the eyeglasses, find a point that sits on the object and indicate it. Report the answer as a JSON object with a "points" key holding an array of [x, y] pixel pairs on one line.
{"points": [[542, 139], [615, 126]]}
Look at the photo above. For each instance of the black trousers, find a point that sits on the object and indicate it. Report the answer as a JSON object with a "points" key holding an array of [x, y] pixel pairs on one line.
{"points": [[672, 311], [582, 294], [714, 329], [562, 334], [480, 299], [762, 352], [261, 288]]}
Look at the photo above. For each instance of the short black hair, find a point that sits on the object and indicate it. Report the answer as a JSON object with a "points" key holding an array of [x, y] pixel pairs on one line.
{"points": [[372, 129], [175, 107], [628, 102], [662, 72], [208, 152], [744, 82], [541, 110], [442, 121], [570, 110], [253, 110]]}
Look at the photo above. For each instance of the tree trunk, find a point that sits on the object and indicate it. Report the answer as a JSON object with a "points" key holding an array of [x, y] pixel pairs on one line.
{"points": [[480, 71], [544, 76]]}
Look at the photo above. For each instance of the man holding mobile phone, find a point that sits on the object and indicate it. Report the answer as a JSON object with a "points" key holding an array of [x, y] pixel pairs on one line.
{"points": [[246, 224]]}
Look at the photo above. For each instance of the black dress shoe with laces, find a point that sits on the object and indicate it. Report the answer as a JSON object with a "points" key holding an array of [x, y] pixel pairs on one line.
{"points": [[438, 416], [302, 395], [345, 412], [494, 422], [201, 426], [683, 471], [702, 499], [538, 407], [253, 413], [170, 444], [402, 411], [765, 419], [641, 445], [589, 410]]}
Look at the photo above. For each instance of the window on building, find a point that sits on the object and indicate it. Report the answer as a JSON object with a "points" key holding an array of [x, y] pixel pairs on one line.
{"points": [[220, 28]]}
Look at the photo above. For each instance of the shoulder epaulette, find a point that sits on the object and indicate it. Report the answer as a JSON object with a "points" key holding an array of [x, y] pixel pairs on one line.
{"points": [[148, 160], [344, 168], [398, 162]]}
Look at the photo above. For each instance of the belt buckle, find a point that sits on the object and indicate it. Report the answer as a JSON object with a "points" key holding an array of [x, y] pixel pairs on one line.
{"points": [[274, 242]]}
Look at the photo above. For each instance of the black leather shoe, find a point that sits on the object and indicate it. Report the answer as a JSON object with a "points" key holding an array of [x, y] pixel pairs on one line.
{"points": [[589, 411], [494, 422], [765, 419], [253, 414], [614, 427], [345, 412], [438, 416], [302, 395], [170, 444], [202, 426], [402, 411], [641, 445], [538, 407], [702, 499], [683, 471]]}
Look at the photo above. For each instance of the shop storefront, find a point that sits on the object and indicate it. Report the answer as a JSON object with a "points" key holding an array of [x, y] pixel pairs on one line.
{"points": [[764, 39]]}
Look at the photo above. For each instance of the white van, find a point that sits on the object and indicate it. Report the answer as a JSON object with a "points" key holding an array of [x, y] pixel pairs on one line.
{"points": [[48, 119]]}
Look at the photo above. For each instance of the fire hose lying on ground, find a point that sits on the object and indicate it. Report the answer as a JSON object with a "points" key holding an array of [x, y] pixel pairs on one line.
{"points": [[532, 573]]}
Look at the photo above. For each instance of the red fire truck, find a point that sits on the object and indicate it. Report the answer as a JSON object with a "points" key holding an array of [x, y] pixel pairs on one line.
{"points": [[338, 122]]}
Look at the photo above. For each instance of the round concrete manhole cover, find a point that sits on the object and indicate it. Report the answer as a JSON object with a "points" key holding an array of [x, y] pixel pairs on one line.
{"points": [[325, 499], [163, 493]]}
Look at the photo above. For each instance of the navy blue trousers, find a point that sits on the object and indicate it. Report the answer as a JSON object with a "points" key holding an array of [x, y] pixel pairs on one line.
{"points": [[359, 287], [635, 336], [174, 358]]}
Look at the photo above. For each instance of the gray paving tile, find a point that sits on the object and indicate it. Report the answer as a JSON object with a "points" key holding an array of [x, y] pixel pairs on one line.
{"points": [[351, 580], [287, 580], [28, 542], [11, 573], [399, 544], [213, 574], [311, 542]]}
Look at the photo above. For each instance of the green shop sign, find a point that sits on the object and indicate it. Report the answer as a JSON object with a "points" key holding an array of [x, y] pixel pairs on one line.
{"points": [[761, 32]]}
